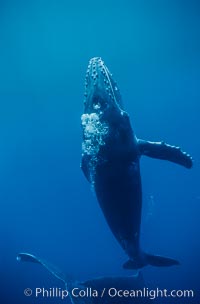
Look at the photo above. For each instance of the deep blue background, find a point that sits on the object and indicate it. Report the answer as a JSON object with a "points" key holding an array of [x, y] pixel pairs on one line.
{"points": [[47, 207]]}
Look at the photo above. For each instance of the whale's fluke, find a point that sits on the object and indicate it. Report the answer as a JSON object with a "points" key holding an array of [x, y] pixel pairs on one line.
{"points": [[149, 259]]}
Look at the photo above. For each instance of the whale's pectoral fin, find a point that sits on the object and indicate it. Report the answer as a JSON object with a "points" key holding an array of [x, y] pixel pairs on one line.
{"points": [[161, 150], [27, 257]]}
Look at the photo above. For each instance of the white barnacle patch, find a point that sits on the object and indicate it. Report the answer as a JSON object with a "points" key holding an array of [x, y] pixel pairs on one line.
{"points": [[94, 133], [97, 106]]}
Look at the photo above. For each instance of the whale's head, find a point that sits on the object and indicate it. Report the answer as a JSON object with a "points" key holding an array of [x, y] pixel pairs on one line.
{"points": [[101, 91], [107, 133]]}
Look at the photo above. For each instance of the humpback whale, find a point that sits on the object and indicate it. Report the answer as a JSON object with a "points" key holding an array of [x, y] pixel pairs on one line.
{"points": [[103, 286], [111, 162]]}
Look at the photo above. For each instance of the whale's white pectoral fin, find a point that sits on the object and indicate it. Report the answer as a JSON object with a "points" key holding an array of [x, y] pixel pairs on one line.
{"points": [[27, 257], [164, 151]]}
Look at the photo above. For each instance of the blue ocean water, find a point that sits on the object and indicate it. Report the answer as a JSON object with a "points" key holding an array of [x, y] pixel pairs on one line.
{"points": [[47, 206]]}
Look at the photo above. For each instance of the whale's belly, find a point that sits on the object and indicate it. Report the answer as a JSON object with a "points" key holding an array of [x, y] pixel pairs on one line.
{"points": [[118, 190]]}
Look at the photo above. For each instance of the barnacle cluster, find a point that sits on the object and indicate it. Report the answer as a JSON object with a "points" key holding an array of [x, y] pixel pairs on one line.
{"points": [[94, 133]]}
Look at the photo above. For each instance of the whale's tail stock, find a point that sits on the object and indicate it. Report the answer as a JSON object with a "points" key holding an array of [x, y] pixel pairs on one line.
{"points": [[149, 259]]}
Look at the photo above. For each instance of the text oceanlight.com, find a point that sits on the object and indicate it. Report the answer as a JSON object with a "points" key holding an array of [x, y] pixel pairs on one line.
{"points": [[112, 292]]}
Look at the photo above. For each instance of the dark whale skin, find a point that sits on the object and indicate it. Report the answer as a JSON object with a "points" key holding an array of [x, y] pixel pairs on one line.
{"points": [[110, 161]]}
